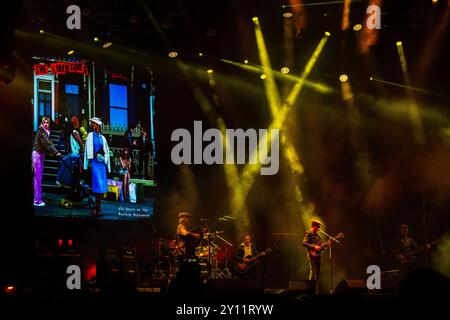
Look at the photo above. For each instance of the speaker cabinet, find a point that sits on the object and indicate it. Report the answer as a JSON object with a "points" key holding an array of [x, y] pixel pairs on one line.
{"points": [[130, 271], [109, 272], [351, 287]]}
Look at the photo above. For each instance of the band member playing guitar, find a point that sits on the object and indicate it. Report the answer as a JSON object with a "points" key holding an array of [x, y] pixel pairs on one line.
{"points": [[312, 242], [187, 280], [186, 240], [405, 250], [245, 258], [315, 246]]}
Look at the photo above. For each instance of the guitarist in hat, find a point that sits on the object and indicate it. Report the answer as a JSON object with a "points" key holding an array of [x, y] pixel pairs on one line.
{"points": [[243, 254], [312, 242], [186, 239]]}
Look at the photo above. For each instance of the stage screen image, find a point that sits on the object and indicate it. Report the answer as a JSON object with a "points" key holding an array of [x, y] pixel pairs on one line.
{"points": [[93, 155]]}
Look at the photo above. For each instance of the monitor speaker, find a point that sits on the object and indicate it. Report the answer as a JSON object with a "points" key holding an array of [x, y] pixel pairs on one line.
{"points": [[302, 286], [351, 287]]}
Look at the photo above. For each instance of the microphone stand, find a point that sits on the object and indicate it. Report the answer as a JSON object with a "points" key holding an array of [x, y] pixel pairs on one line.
{"points": [[226, 270], [331, 258], [158, 264], [205, 223], [224, 240]]}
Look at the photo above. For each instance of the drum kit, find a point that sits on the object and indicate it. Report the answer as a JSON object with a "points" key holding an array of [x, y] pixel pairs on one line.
{"points": [[213, 254], [214, 257], [164, 264]]}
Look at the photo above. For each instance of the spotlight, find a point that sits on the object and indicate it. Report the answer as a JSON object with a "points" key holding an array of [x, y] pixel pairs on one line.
{"points": [[434, 1], [210, 71], [41, 31], [263, 76], [357, 27], [200, 54], [285, 70], [287, 14], [173, 54], [107, 45], [246, 61], [255, 19], [327, 34], [398, 43], [96, 39], [371, 78], [70, 52], [10, 290], [343, 78]]}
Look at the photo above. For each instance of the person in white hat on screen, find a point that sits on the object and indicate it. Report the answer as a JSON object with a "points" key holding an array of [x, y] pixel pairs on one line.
{"points": [[97, 152]]}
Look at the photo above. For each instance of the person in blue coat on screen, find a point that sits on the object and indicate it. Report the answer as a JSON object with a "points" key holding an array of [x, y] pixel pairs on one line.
{"points": [[96, 152]]}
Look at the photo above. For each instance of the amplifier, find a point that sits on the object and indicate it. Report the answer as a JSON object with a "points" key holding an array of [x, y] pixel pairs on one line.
{"points": [[127, 253]]}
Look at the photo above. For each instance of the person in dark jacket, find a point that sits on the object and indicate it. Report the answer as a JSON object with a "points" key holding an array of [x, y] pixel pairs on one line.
{"points": [[312, 242], [145, 147], [245, 251], [42, 146], [128, 141], [404, 250]]}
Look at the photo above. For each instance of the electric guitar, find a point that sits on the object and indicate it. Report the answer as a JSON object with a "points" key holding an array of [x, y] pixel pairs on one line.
{"points": [[243, 267], [411, 255], [314, 253]]}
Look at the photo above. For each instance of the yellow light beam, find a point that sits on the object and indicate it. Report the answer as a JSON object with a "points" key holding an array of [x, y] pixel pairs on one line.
{"points": [[125, 54], [273, 97], [435, 39], [270, 85], [198, 94], [212, 84], [347, 92], [414, 114], [153, 21], [237, 202], [299, 85], [250, 170], [403, 64], [358, 140], [412, 88], [288, 50], [316, 4], [317, 86]]}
